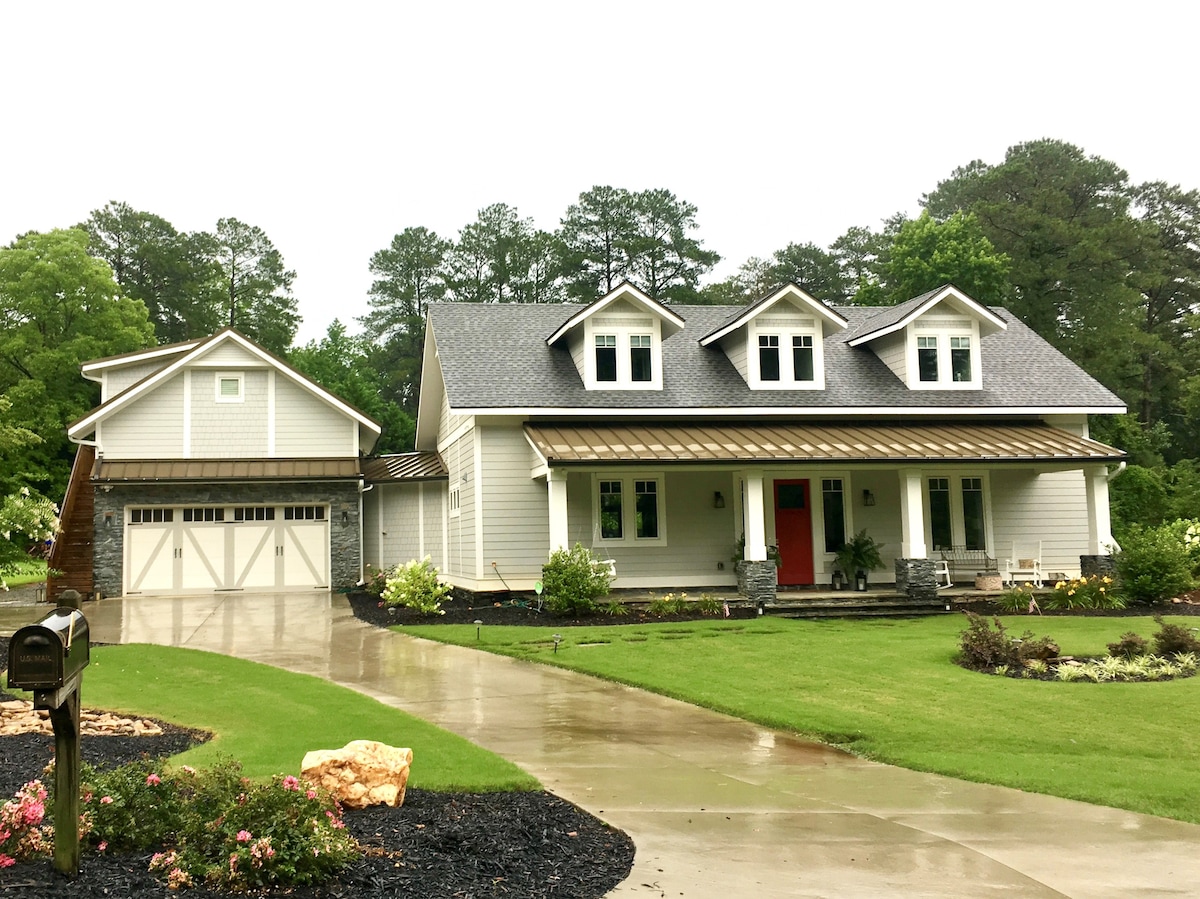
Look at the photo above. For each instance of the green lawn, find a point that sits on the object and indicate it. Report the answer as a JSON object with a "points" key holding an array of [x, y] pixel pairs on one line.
{"points": [[888, 690], [32, 571], [267, 718]]}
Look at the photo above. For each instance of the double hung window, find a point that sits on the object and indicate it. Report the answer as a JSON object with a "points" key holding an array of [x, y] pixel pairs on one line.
{"points": [[927, 358], [606, 357], [629, 509]]}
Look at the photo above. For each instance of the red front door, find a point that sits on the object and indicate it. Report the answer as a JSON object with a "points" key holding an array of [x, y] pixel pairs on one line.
{"points": [[793, 532]]}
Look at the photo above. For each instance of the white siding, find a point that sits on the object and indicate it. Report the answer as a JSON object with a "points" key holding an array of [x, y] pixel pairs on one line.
{"points": [[230, 354], [577, 348], [459, 459], [891, 351], [229, 430], [1051, 508], [735, 348], [700, 539], [516, 527], [118, 379], [449, 421], [400, 540], [151, 427], [305, 426], [433, 499]]}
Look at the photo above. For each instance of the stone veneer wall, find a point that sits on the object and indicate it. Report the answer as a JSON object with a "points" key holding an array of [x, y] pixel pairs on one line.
{"points": [[345, 553], [757, 581], [1101, 566], [917, 578]]}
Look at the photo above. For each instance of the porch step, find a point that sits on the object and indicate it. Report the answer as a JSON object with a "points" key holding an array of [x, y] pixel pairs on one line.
{"points": [[858, 607]]}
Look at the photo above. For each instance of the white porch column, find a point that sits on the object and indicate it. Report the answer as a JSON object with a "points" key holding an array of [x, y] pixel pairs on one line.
{"points": [[912, 516], [556, 489], [1100, 538], [756, 519]]}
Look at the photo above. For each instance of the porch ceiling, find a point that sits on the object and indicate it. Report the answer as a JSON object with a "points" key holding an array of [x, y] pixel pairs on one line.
{"points": [[224, 469], [566, 444]]}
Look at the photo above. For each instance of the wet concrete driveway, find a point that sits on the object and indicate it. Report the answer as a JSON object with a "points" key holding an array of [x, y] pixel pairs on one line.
{"points": [[718, 808]]}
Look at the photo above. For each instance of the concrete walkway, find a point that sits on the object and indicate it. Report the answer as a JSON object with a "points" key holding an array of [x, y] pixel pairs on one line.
{"points": [[718, 808]]}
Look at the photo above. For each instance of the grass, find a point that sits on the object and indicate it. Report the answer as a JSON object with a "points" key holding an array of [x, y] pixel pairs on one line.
{"points": [[267, 718], [32, 571], [889, 690]]}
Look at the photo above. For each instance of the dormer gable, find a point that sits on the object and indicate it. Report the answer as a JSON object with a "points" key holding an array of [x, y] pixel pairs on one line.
{"points": [[932, 342], [777, 343], [616, 342]]}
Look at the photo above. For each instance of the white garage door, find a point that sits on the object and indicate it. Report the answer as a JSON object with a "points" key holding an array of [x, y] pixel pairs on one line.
{"points": [[195, 549]]}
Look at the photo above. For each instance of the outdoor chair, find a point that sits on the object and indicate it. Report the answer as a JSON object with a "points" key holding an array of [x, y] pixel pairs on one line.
{"points": [[1024, 568]]}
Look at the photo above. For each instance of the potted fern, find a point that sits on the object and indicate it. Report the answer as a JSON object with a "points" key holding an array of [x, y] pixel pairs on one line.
{"points": [[859, 555]]}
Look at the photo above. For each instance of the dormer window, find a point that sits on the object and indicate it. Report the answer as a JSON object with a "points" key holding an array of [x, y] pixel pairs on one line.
{"points": [[640, 366], [960, 358], [768, 357], [606, 357], [802, 357], [927, 358]]}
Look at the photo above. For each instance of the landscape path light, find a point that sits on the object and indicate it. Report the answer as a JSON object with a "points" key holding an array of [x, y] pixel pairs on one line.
{"points": [[478, 625], [557, 640]]}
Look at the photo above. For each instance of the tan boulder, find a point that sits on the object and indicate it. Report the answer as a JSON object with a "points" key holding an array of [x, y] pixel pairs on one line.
{"points": [[362, 773]]}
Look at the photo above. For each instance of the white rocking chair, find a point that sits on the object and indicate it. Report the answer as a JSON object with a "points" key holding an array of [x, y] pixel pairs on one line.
{"points": [[1024, 568]]}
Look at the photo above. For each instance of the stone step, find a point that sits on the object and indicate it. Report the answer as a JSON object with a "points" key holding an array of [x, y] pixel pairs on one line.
{"points": [[858, 608]]}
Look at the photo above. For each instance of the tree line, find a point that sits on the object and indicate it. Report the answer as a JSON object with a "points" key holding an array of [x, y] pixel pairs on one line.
{"points": [[1106, 270]]}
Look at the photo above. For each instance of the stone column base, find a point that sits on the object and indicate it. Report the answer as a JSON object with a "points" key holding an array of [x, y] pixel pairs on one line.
{"points": [[917, 578], [1101, 566], [757, 580]]}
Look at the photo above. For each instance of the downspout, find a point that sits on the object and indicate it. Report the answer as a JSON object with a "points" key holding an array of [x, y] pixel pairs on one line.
{"points": [[1113, 475]]}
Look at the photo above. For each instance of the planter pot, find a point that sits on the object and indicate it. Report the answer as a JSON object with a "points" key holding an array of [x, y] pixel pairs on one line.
{"points": [[989, 581]]}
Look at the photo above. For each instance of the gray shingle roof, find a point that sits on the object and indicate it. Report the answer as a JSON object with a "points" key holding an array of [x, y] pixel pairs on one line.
{"points": [[496, 357]]}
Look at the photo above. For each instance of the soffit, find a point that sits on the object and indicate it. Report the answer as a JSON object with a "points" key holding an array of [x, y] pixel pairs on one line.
{"points": [[570, 444]]}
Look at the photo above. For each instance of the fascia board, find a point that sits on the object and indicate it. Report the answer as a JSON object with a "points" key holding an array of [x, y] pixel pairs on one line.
{"points": [[790, 291], [623, 290], [792, 411]]}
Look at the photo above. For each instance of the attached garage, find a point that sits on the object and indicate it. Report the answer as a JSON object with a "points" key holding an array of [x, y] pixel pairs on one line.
{"points": [[188, 549]]}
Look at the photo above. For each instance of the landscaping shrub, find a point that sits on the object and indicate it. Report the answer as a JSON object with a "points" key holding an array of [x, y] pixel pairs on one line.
{"points": [[375, 579], [416, 586], [984, 648], [216, 827], [1156, 564], [1130, 646], [573, 580], [1174, 639], [1094, 592], [1016, 600]]}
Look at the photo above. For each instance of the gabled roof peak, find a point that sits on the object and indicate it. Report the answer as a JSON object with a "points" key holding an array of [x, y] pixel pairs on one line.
{"points": [[790, 292], [630, 292], [893, 318]]}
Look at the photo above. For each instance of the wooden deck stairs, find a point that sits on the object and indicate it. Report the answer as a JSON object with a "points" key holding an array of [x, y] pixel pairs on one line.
{"points": [[71, 554]]}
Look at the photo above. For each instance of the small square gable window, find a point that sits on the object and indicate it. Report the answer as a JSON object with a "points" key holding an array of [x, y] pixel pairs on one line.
{"points": [[229, 387]]}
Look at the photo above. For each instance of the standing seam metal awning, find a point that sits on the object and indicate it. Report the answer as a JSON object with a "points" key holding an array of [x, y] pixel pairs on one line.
{"points": [[766, 442]]}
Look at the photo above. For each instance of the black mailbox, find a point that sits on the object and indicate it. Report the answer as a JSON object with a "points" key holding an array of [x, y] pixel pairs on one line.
{"points": [[51, 654]]}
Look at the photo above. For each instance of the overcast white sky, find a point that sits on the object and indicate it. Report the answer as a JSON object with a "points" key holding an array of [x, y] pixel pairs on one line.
{"points": [[335, 126]]}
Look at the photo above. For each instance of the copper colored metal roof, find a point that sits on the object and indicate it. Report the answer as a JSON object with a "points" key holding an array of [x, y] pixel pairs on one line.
{"points": [[404, 467], [566, 444], [225, 469]]}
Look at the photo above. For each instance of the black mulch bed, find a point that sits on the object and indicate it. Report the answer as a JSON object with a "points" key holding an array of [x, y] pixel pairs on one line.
{"points": [[435, 846], [1189, 607], [519, 611]]}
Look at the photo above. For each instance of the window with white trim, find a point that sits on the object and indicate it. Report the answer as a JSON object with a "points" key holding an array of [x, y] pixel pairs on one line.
{"points": [[641, 368], [230, 387], [606, 357], [629, 509], [455, 502], [957, 512], [960, 358], [833, 512], [783, 358], [943, 354], [927, 358]]}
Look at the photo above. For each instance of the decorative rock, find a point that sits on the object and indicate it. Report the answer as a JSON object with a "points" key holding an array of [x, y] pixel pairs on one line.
{"points": [[362, 773], [20, 717]]}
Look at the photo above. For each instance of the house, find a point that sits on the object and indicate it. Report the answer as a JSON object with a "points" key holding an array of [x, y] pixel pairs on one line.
{"points": [[212, 465], [674, 440]]}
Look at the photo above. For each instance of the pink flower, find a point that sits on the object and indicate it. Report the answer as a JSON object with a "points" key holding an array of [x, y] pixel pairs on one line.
{"points": [[290, 783], [311, 794], [153, 780], [244, 836], [6, 861], [103, 845], [105, 800]]}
